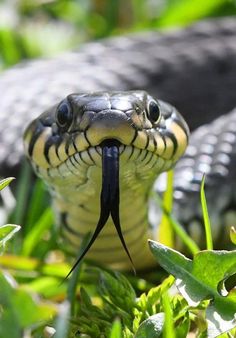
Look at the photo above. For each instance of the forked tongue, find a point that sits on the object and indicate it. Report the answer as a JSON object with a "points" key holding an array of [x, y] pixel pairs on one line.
{"points": [[109, 198]]}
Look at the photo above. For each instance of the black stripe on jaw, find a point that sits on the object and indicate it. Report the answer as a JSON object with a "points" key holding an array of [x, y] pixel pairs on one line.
{"points": [[51, 141], [109, 198], [35, 135], [173, 139], [182, 124]]}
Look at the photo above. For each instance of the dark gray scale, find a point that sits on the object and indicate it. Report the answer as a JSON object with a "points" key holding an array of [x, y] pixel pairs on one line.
{"points": [[193, 69], [211, 151]]}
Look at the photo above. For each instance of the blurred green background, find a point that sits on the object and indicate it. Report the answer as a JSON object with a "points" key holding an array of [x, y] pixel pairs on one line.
{"points": [[31, 28]]}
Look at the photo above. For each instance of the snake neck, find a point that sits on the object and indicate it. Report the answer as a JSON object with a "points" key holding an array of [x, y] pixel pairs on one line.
{"points": [[78, 210]]}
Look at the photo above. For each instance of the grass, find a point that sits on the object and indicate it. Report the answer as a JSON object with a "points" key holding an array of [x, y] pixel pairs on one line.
{"points": [[104, 303], [95, 302], [209, 242], [67, 23], [170, 225]]}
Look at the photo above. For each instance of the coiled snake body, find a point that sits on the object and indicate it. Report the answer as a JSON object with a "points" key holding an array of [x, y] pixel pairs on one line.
{"points": [[194, 69]]}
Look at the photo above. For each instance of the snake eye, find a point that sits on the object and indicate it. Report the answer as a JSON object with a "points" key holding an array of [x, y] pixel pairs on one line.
{"points": [[64, 115], [154, 111]]}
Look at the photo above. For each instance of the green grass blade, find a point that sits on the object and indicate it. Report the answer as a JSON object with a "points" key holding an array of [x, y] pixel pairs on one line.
{"points": [[73, 281], [169, 331], [35, 235], [37, 204], [183, 12], [166, 231], [233, 235], [206, 219], [116, 329], [187, 240], [179, 230], [23, 188], [5, 182], [9, 49]]}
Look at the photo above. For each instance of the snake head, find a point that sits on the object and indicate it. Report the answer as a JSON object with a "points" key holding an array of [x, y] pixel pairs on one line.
{"points": [[90, 145], [82, 121]]}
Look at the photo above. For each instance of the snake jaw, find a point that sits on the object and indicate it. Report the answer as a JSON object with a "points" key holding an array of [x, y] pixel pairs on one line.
{"points": [[109, 197], [99, 116]]}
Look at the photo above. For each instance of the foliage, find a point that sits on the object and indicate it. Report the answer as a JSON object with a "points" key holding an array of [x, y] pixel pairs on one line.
{"points": [[109, 305], [67, 23], [203, 279], [21, 308]]}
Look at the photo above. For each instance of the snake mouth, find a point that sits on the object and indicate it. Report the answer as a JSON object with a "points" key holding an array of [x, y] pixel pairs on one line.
{"points": [[109, 197]]}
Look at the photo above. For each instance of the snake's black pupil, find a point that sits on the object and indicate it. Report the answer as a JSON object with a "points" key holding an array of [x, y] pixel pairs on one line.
{"points": [[64, 115], [154, 111]]}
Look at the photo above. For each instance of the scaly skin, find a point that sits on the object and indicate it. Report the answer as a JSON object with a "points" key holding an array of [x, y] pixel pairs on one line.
{"points": [[193, 69], [152, 136]]}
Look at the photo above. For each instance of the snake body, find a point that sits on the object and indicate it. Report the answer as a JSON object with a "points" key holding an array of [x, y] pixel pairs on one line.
{"points": [[194, 69]]}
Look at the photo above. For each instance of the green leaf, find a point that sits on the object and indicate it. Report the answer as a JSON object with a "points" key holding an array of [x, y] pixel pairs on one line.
{"points": [[93, 320], [18, 262], [166, 234], [37, 204], [33, 312], [25, 264], [21, 308], [182, 328], [118, 289], [48, 287], [92, 311], [151, 327], [35, 235], [203, 278], [206, 218], [146, 302], [7, 231], [233, 235], [116, 329], [169, 331], [5, 182], [183, 12]]}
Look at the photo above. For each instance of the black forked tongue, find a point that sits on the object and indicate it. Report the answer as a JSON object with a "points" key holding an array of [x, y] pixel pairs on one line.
{"points": [[109, 198]]}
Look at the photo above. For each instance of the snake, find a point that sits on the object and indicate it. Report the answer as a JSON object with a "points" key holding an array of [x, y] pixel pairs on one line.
{"points": [[102, 132], [116, 142]]}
